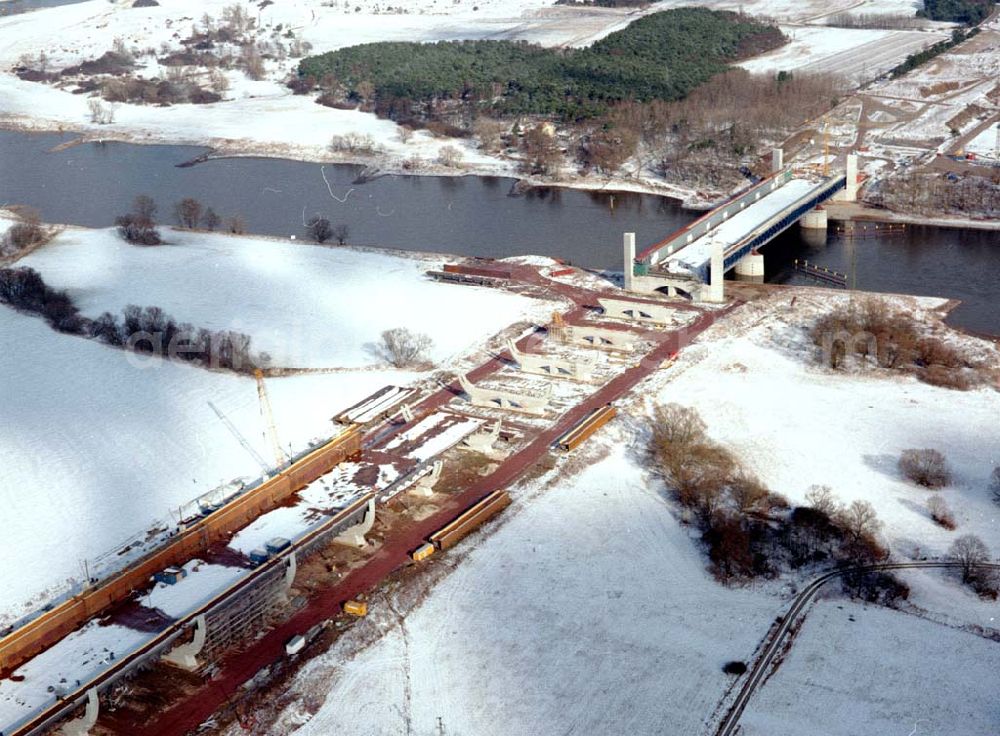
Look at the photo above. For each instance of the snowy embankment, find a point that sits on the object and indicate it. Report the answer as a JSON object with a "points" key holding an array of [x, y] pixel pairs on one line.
{"points": [[99, 445], [307, 306], [590, 609]]}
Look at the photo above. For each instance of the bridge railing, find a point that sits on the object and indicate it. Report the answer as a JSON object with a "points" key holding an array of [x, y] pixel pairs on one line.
{"points": [[710, 220]]}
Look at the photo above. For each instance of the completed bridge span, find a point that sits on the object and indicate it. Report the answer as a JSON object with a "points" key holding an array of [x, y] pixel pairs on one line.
{"points": [[695, 258]]}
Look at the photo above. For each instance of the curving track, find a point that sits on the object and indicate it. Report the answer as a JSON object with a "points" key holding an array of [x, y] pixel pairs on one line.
{"points": [[730, 724]]}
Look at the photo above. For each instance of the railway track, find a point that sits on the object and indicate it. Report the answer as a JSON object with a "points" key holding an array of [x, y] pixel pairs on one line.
{"points": [[730, 724]]}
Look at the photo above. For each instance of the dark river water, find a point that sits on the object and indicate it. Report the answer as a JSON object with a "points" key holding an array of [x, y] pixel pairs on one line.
{"points": [[13, 7], [92, 183]]}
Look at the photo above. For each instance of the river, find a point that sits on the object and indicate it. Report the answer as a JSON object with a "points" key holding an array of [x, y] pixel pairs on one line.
{"points": [[90, 184]]}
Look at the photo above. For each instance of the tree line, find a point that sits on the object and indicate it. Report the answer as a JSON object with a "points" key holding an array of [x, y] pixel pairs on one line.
{"points": [[661, 56], [145, 330]]}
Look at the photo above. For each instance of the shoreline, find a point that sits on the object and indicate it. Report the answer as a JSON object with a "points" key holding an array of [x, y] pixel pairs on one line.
{"points": [[381, 165], [857, 212]]}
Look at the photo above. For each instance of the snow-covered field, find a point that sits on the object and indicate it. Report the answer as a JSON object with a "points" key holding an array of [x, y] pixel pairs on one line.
{"points": [[796, 424], [866, 670], [857, 54], [97, 448], [545, 628], [590, 610], [307, 306]]}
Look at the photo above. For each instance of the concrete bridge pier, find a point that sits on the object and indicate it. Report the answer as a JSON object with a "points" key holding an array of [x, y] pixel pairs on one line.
{"points": [[291, 567], [717, 281], [814, 219], [186, 655], [81, 726], [355, 536], [751, 267], [424, 487]]}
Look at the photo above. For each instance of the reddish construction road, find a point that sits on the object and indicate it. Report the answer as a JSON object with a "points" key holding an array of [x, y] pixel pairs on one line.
{"points": [[235, 670]]}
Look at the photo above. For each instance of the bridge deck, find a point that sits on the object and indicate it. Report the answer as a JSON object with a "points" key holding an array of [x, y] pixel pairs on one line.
{"points": [[694, 256]]}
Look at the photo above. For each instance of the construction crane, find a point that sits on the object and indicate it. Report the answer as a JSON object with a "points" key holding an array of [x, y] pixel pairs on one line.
{"points": [[240, 438], [265, 410], [826, 148]]}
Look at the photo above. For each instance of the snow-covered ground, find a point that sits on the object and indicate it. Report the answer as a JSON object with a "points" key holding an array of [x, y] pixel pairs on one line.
{"points": [[986, 144], [857, 669], [796, 424], [860, 55], [100, 445], [97, 450], [307, 306], [544, 628]]}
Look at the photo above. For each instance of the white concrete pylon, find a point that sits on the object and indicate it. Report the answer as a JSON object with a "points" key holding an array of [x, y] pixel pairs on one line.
{"points": [[291, 567], [355, 536], [424, 487], [81, 726], [185, 656], [717, 285], [483, 441], [628, 248], [497, 399], [550, 366]]}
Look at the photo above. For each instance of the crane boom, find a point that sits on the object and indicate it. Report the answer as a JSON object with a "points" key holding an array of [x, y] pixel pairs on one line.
{"points": [[240, 438], [265, 410]]}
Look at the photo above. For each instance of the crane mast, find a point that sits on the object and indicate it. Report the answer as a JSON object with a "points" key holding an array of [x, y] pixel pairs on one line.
{"points": [[265, 410]]}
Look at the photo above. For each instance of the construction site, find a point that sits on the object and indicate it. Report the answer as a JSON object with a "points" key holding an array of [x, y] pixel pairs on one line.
{"points": [[252, 574]]}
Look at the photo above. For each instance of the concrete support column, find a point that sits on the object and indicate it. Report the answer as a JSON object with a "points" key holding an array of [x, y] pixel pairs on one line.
{"points": [[629, 254], [814, 219], [751, 267], [355, 536], [851, 191], [185, 656], [717, 283], [777, 160], [424, 487], [81, 726], [290, 570]]}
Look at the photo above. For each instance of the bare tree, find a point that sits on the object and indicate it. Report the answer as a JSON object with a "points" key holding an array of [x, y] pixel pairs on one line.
{"points": [[236, 225], [188, 212], [403, 348], [210, 220], [319, 229], [490, 133], [139, 225], [253, 62], [747, 491], [969, 551], [995, 484], [541, 151], [926, 468], [100, 113], [860, 521], [27, 232], [822, 499], [341, 233], [449, 156], [674, 424], [940, 513]]}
